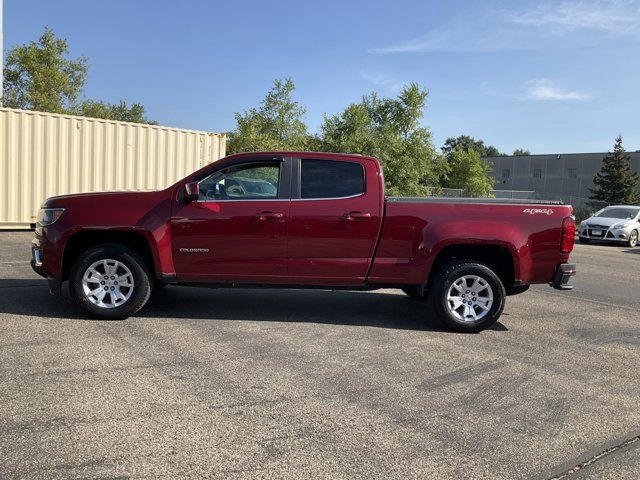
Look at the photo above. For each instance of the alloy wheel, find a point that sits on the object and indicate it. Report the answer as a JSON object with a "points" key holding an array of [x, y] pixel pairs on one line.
{"points": [[107, 283], [469, 298]]}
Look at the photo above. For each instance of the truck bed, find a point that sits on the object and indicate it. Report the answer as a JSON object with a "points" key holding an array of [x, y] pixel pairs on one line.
{"points": [[417, 230]]}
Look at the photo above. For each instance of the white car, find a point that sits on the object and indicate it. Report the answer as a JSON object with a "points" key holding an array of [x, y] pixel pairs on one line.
{"points": [[618, 223]]}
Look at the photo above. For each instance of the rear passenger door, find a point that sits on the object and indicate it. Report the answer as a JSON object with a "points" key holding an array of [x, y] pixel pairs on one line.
{"points": [[335, 220]]}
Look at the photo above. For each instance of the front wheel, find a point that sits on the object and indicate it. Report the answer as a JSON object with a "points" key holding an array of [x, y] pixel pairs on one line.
{"points": [[110, 282], [468, 296], [633, 239]]}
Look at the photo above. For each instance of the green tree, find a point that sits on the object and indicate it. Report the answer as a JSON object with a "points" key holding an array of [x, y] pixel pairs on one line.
{"points": [[278, 124], [616, 183], [521, 151], [465, 142], [470, 173], [389, 129], [120, 111], [39, 76]]}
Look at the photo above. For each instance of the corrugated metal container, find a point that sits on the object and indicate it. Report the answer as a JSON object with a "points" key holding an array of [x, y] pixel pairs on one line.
{"points": [[44, 154]]}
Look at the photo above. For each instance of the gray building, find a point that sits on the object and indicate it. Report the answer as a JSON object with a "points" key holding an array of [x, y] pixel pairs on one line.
{"points": [[566, 176]]}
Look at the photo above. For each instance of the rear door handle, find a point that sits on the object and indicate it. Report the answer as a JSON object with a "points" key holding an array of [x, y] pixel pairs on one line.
{"points": [[357, 215], [263, 216]]}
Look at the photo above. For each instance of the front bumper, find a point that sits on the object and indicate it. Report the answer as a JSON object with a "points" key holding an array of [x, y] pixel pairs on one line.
{"points": [[55, 285], [607, 234], [563, 273]]}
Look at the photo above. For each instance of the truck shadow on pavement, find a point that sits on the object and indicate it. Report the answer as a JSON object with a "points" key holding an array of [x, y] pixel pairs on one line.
{"points": [[373, 309]]}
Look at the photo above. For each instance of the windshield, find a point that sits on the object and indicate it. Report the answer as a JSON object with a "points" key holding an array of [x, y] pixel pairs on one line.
{"points": [[624, 213]]}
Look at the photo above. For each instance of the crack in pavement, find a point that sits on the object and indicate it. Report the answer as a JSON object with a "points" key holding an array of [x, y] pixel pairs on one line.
{"points": [[600, 454]]}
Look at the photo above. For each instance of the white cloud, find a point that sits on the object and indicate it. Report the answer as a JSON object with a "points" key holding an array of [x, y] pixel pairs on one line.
{"points": [[543, 89], [460, 36], [531, 28], [382, 80], [617, 16]]}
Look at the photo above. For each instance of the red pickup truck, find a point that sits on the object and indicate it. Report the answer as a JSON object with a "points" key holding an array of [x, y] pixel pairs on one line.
{"points": [[300, 219]]}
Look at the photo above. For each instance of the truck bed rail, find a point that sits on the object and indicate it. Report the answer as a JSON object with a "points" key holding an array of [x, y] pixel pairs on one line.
{"points": [[502, 201]]}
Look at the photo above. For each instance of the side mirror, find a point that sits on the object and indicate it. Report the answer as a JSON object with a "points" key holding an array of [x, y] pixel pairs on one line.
{"points": [[191, 191]]}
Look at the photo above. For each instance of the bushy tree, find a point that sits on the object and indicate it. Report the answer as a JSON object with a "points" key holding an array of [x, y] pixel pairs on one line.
{"points": [[521, 151], [470, 173], [616, 183], [119, 111], [39, 76], [278, 124], [389, 129], [465, 142]]}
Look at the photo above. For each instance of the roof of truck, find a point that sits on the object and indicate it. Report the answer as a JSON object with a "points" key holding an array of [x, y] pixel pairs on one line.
{"points": [[299, 153]]}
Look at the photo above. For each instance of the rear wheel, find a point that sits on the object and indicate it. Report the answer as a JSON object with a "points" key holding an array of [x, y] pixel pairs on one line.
{"points": [[468, 296], [109, 282], [633, 239]]}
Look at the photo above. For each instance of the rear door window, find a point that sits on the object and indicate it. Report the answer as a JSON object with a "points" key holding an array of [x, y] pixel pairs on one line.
{"points": [[330, 179]]}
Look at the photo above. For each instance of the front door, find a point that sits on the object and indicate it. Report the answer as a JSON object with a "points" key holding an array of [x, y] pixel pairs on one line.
{"points": [[237, 230]]}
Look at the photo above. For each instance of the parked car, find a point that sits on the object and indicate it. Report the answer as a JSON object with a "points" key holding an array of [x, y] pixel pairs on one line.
{"points": [[618, 223], [326, 223]]}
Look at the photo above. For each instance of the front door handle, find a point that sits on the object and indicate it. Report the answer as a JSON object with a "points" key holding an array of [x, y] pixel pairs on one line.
{"points": [[263, 216], [357, 215]]}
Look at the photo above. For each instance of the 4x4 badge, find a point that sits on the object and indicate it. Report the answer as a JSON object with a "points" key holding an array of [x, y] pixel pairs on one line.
{"points": [[541, 211]]}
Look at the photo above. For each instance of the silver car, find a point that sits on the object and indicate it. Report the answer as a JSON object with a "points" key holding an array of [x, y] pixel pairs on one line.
{"points": [[618, 223]]}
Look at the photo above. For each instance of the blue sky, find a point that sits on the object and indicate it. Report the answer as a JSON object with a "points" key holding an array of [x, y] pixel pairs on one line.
{"points": [[549, 76]]}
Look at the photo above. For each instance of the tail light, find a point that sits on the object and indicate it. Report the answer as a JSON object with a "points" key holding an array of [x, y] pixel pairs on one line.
{"points": [[568, 235]]}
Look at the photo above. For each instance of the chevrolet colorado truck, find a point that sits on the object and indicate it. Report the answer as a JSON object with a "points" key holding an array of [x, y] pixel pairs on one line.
{"points": [[299, 220]]}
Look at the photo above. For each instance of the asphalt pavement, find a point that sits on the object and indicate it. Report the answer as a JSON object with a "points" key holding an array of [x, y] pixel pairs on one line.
{"points": [[318, 384]]}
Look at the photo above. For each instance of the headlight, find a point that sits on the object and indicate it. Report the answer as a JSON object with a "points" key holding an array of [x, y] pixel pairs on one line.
{"points": [[620, 227], [49, 216]]}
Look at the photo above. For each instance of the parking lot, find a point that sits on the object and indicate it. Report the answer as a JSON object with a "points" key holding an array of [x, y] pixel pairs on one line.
{"points": [[314, 384]]}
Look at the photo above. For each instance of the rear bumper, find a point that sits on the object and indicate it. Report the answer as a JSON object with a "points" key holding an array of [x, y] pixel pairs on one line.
{"points": [[563, 273]]}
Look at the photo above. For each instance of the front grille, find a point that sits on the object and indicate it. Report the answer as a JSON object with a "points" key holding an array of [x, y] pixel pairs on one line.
{"points": [[592, 225], [601, 232]]}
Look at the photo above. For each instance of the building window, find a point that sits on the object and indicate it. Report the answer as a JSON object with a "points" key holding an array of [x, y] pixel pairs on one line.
{"points": [[537, 173], [572, 172], [506, 173]]}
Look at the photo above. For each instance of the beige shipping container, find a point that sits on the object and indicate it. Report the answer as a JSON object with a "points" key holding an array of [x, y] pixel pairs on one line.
{"points": [[44, 154]]}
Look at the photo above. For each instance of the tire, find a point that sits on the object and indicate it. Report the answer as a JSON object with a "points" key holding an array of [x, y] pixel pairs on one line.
{"points": [[487, 285], [413, 292], [633, 239], [584, 240], [129, 268]]}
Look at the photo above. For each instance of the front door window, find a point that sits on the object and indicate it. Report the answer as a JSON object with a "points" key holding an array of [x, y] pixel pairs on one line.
{"points": [[253, 181]]}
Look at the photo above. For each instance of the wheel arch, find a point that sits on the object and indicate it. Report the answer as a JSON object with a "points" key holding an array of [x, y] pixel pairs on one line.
{"points": [[83, 240], [497, 257]]}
